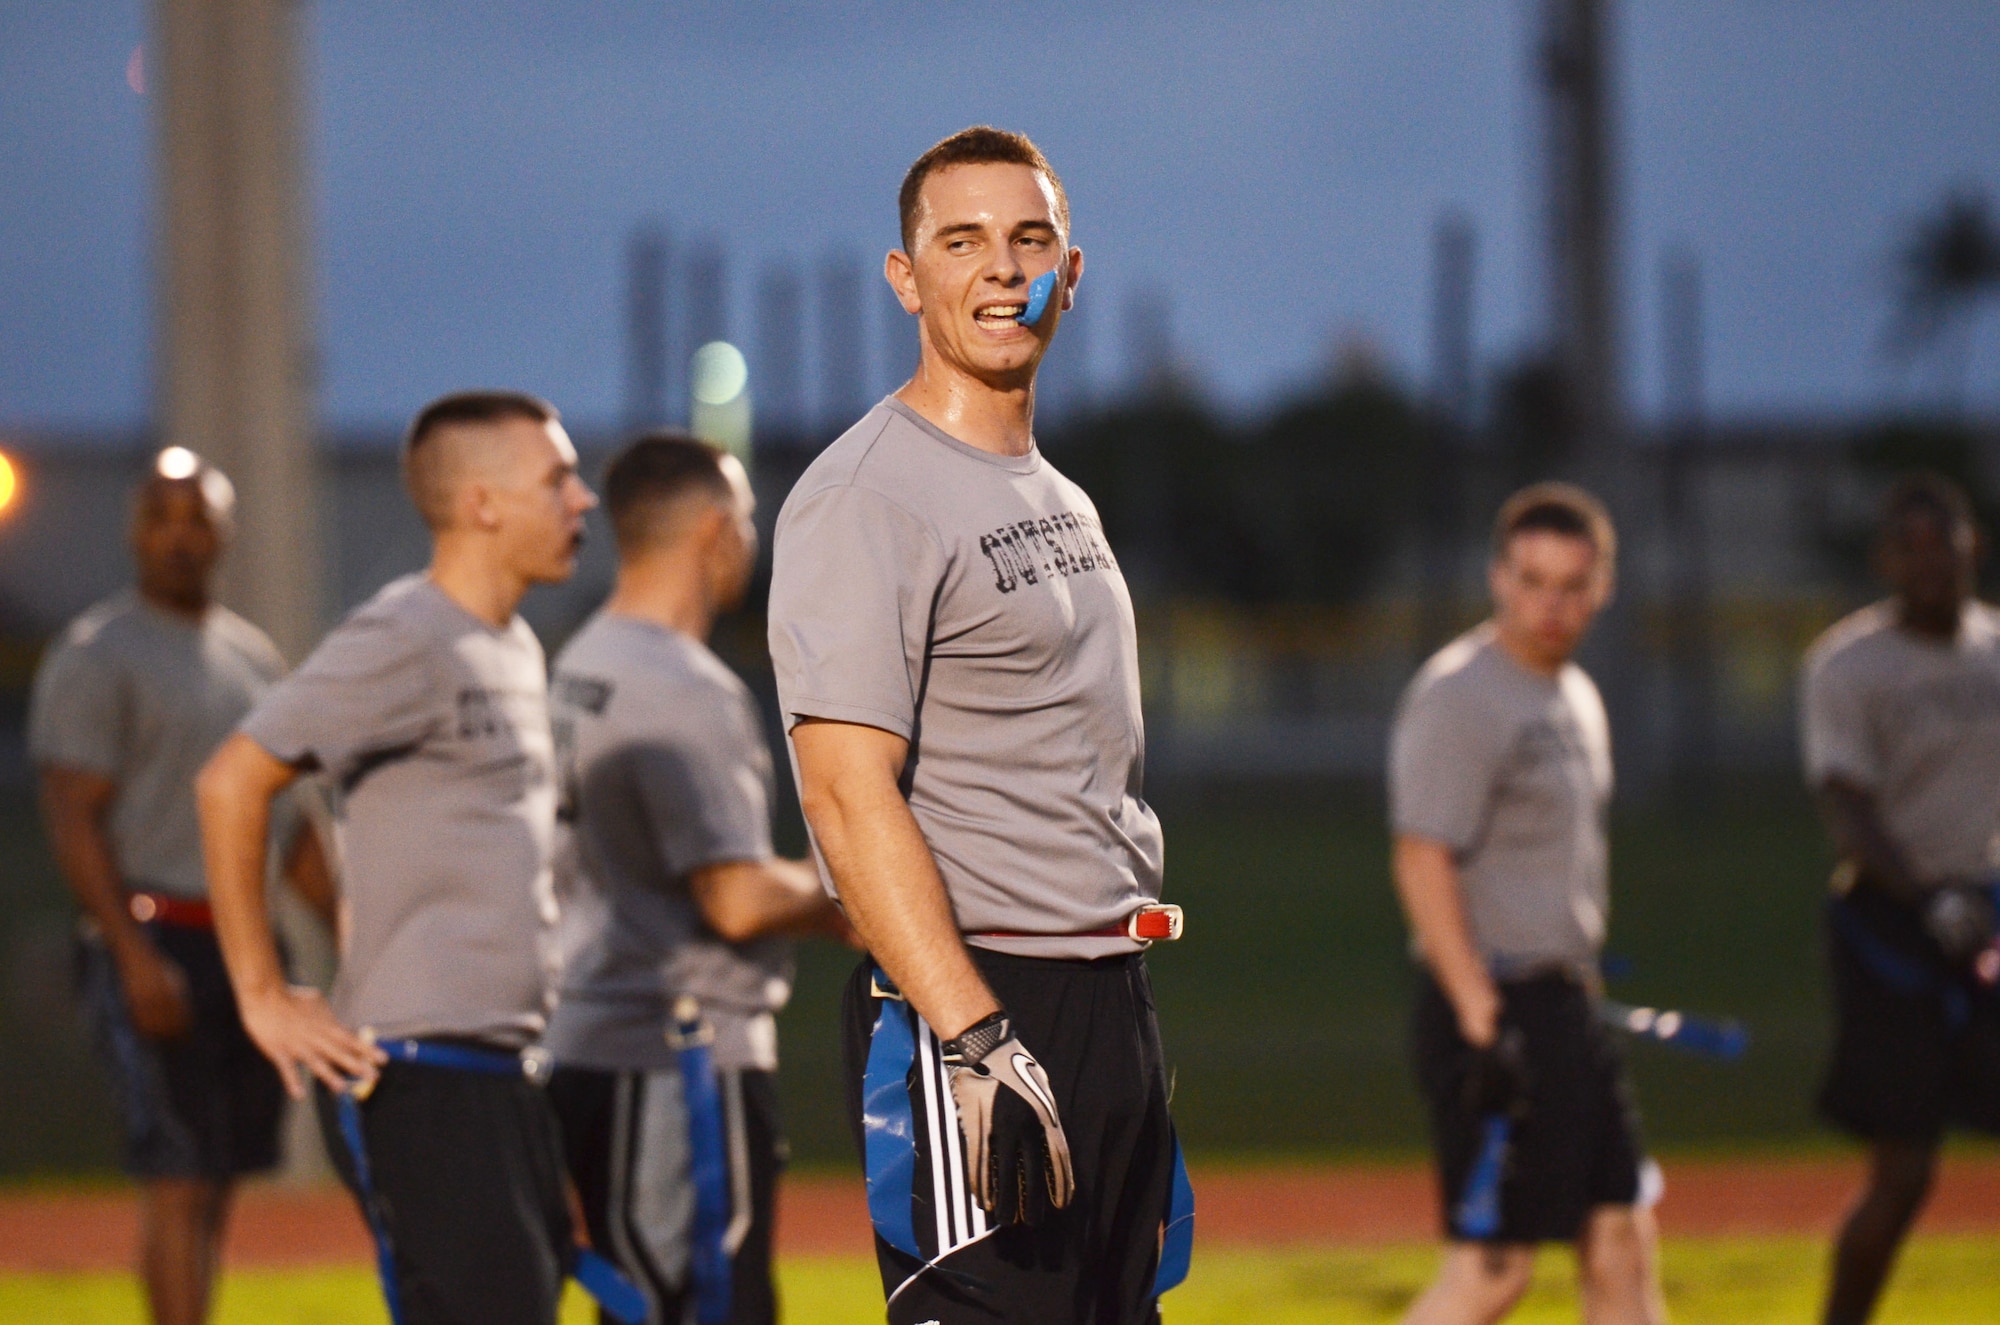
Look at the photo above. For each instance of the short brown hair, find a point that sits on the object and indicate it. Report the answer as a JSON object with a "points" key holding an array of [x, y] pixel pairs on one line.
{"points": [[981, 145], [424, 470], [651, 475], [1931, 494], [1557, 508]]}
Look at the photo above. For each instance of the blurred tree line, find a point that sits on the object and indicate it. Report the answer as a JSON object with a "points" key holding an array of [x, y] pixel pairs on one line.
{"points": [[1304, 505]]}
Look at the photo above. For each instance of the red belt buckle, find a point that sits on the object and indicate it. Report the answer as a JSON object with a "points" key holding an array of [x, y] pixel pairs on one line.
{"points": [[1156, 922]]}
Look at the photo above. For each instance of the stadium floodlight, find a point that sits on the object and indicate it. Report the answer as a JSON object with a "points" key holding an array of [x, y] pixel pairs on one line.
{"points": [[10, 483], [721, 389]]}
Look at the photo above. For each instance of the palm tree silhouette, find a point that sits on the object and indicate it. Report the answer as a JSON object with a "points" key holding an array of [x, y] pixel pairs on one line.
{"points": [[1950, 264]]}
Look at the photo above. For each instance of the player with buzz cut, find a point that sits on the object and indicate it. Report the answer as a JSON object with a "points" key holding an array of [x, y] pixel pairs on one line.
{"points": [[957, 665], [428, 709], [134, 696], [1900, 716], [676, 911], [1499, 777]]}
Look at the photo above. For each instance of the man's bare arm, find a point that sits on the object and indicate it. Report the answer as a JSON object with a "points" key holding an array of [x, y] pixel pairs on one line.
{"points": [[310, 873], [1855, 822], [75, 805], [887, 879], [747, 899], [1427, 884], [292, 1026]]}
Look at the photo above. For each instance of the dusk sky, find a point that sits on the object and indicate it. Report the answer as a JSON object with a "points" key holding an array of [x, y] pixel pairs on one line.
{"points": [[1273, 169]]}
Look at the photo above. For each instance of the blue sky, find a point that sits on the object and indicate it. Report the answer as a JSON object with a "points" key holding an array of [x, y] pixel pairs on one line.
{"points": [[1273, 168]]}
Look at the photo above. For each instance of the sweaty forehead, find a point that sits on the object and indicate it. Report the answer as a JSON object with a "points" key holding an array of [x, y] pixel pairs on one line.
{"points": [[998, 194]]}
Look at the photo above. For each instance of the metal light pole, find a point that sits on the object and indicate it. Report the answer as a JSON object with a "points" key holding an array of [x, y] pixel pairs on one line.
{"points": [[235, 353]]}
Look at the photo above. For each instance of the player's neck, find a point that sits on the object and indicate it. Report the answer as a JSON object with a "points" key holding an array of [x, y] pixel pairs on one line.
{"points": [[665, 591], [468, 574], [999, 418], [192, 608], [1526, 656], [1930, 623]]}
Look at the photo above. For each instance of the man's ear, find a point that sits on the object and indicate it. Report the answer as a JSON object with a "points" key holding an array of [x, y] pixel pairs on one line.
{"points": [[1075, 275], [901, 274]]}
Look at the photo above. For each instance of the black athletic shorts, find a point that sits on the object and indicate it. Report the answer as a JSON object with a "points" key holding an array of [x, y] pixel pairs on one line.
{"points": [[1577, 1148], [468, 1182], [1916, 1046], [207, 1105], [625, 1135], [1092, 1027]]}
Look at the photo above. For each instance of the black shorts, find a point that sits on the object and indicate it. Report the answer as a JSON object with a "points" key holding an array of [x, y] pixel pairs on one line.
{"points": [[1916, 1046], [468, 1183], [1578, 1146], [625, 1135], [208, 1105], [1092, 1027]]}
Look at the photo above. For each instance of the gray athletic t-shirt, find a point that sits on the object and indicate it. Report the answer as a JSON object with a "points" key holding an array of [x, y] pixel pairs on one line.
{"points": [[137, 694], [968, 602], [663, 769], [1512, 771], [434, 728], [1916, 722]]}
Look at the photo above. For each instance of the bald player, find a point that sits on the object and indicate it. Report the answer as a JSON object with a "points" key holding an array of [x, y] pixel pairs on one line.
{"points": [[1900, 709], [134, 697], [958, 668], [1499, 778], [428, 707], [673, 895]]}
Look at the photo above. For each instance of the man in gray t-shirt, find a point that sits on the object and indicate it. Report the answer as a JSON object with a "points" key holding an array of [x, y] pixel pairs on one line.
{"points": [[1499, 777], [128, 703], [427, 708], [676, 912], [1900, 728], [958, 669]]}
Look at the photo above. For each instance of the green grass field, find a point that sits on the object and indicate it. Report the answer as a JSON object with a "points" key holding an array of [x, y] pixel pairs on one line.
{"points": [[1283, 1010], [1942, 1281]]}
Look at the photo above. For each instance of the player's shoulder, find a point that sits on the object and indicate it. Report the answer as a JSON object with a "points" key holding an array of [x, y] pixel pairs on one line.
{"points": [[646, 667], [242, 636], [865, 456], [1856, 643], [101, 629], [1462, 672]]}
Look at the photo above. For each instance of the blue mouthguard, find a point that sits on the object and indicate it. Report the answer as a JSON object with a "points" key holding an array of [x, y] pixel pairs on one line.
{"points": [[1038, 298]]}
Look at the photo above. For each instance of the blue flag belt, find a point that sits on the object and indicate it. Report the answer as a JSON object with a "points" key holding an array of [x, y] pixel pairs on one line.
{"points": [[709, 1267], [599, 1277], [1896, 969], [889, 1145]]}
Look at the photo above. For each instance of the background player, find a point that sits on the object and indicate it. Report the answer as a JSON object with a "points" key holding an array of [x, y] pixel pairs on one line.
{"points": [[1901, 728], [670, 887], [428, 706], [957, 662], [133, 698], [1499, 775]]}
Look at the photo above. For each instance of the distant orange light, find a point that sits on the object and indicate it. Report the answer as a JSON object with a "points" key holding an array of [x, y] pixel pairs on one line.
{"points": [[10, 482]]}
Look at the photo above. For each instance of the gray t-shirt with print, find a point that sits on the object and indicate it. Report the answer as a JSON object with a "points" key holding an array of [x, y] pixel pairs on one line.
{"points": [[663, 770], [1512, 772], [1916, 722], [434, 728], [968, 602], [136, 694]]}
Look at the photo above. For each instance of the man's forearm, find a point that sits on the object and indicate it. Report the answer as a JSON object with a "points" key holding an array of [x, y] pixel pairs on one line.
{"points": [[233, 795], [73, 808], [1427, 884], [1855, 822], [747, 899], [887, 879]]}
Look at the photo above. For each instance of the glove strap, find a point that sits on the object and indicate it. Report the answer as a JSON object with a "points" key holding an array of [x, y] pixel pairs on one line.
{"points": [[970, 1046]]}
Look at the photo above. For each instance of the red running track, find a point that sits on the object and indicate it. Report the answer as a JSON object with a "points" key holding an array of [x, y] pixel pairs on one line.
{"points": [[42, 1230]]}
